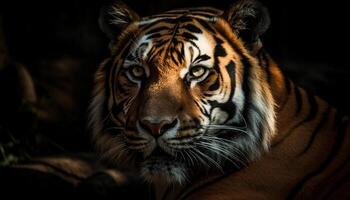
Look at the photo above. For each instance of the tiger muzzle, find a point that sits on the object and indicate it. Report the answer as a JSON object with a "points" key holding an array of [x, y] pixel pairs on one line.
{"points": [[158, 127]]}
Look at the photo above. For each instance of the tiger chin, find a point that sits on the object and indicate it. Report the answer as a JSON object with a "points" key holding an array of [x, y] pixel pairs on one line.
{"points": [[191, 102]]}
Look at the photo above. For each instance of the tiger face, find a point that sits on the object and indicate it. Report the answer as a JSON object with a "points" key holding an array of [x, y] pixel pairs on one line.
{"points": [[181, 95]]}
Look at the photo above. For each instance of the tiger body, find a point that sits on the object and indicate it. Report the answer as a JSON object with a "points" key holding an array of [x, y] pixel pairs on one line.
{"points": [[308, 159], [191, 102]]}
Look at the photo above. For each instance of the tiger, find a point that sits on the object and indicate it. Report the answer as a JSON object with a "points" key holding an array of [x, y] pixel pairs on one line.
{"points": [[190, 101]]}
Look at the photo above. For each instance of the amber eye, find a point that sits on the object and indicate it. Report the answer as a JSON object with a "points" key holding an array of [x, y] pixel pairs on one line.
{"points": [[137, 71], [198, 71]]}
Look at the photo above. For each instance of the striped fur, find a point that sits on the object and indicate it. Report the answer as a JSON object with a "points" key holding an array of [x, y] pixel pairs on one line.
{"points": [[201, 112]]}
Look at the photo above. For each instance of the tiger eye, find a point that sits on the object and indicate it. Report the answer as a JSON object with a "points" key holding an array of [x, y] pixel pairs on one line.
{"points": [[137, 71], [197, 71]]}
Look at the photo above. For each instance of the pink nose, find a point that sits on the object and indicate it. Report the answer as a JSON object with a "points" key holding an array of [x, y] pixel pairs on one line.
{"points": [[157, 128]]}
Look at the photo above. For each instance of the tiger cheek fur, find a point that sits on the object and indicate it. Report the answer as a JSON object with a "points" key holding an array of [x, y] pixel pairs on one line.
{"points": [[180, 96]]}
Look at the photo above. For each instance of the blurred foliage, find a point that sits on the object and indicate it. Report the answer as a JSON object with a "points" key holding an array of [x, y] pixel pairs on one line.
{"points": [[16, 147], [12, 151]]}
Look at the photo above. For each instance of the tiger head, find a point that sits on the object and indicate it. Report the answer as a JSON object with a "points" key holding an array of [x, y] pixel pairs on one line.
{"points": [[182, 93]]}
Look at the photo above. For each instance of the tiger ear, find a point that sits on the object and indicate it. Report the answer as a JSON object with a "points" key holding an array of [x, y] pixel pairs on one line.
{"points": [[249, 19], [115, 17]]}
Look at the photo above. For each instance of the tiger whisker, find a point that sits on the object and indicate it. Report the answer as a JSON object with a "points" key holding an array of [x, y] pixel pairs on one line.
{"points": [[231, 160], [221, 152], [224, 144], [118, 150], [198, 158], [218, 139], [222, 125], [215, 164], [189, 156], [232, 129], [218, 127]]}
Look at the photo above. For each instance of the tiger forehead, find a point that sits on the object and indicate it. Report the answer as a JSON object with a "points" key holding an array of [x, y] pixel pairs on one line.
{"points": [[181, 41], [205, 13]]}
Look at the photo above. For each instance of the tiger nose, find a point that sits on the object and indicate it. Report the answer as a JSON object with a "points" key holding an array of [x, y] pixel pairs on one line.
{"points": [[157, 128]]}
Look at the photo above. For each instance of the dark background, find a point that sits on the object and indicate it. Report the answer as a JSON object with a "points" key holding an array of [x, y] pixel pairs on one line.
{"points": [[60, 45]]}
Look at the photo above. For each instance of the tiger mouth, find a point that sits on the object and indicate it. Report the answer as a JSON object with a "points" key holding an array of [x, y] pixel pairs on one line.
{"points": [[161, 161], [159, 158], [160, 166]]}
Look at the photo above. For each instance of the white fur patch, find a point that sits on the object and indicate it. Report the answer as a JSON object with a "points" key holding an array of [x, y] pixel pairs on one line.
{"points": [[218, 116]]}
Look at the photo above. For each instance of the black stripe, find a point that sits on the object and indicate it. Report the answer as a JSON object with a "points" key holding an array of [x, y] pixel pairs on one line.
{"points": [[174, 33], [200, 58], [246, 76], [344, 179], [235, 46], [167, 20], [321, 123], [215, 85], [246, 89], [117, 108], [182, 50], [112, 121], [228, 106], [209, 10], [231, 70], [157, 45], [184, 19], [178, 11], [189, 36], [189, 11], [154, 35], [338, 118], [199, 14], [179, 55], [313, 106], [219, 51], [288, 89], [192, 28], [264, 62], [178, 20], [331, 156], [174, 59], [298, 99], [202, 109], [161, 16], [287, 84], [206, 25], [312, 113], [194, 11], [157, 29], [205, 11]]}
